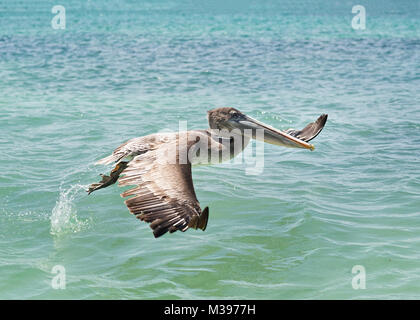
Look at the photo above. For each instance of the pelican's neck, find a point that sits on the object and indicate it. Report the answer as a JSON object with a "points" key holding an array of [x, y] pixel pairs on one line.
{"points": [[233, 141]]}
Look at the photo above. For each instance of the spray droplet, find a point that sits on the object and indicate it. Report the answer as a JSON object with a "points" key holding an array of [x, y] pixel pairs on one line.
{"points": [[64, 215]]}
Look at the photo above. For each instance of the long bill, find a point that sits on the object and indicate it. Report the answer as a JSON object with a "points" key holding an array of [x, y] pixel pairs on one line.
{"points": [[271, 135]]}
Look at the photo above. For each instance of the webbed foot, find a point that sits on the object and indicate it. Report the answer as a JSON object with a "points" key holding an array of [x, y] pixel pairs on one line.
{"points": [[108, 180]]}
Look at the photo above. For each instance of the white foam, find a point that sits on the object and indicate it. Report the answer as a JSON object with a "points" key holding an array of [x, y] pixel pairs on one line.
{"points": [[64, 215]]}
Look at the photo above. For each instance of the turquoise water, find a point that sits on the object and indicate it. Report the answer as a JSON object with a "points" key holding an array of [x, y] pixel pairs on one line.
{"points": [[123, 69]]}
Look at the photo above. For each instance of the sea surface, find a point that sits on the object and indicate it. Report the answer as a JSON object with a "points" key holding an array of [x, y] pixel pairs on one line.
{"points": [[309, 226]]}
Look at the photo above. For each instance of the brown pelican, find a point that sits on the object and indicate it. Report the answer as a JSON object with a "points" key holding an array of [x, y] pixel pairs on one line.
{"points": [[159, 165]]}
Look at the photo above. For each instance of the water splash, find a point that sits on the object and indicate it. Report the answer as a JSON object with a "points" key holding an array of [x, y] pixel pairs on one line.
{"points": [[64, 215]]}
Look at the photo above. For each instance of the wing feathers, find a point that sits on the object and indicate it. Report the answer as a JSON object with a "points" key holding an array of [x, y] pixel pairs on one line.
{"points": [[311, 130], [163, 194], [134, 147]]}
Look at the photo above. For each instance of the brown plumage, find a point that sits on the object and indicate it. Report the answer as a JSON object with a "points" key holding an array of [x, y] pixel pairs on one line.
{"points": [[159, 169], [164, 195]]}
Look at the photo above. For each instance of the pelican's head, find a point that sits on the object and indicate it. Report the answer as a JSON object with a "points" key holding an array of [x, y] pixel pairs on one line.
{"points": [[232, 119], [220, 118]]}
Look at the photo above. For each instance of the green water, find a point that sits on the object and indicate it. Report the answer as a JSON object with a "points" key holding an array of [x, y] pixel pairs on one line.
{"points": [[295, 231]]}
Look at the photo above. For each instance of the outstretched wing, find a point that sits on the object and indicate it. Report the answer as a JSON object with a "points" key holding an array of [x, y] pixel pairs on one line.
{"points": [[311, 130], [164, 195], [137, 146]]}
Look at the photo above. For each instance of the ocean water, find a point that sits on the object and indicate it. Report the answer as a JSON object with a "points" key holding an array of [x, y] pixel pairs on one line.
{"points": [[122, 69]]}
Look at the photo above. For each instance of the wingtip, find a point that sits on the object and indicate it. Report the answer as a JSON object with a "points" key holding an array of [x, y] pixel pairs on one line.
{"points": [[204, 218], [323, 118]]}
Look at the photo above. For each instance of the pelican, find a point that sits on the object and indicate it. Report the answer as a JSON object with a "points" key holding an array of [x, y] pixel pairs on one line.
{"points": [[159, 165]]}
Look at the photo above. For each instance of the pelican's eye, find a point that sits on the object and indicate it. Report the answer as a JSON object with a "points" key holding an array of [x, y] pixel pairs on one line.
{"points": [[234, 114]]}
